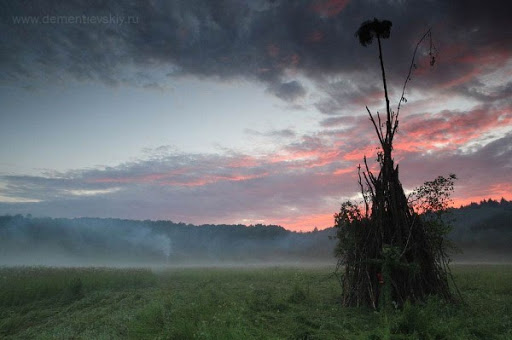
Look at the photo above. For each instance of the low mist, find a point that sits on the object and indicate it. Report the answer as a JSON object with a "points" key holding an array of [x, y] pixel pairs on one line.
{"points": [[128, 243], [482, 233]]}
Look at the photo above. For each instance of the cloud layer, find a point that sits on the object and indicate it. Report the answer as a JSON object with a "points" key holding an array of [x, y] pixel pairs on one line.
{"points": [[458, 117], [299, 187], [268, 41]]}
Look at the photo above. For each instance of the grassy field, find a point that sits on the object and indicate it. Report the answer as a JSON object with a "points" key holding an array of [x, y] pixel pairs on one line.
{"points": [[265, 303]]}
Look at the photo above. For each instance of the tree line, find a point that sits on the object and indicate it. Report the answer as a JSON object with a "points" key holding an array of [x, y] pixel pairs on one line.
{"points": [[35, 240]]}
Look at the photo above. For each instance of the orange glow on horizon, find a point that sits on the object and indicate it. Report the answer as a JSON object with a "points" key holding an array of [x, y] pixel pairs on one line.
{"points": [[324, 221], [306, 223]]}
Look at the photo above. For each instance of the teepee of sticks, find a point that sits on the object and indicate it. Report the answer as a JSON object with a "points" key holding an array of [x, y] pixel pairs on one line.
{"points": [[387, 251]]}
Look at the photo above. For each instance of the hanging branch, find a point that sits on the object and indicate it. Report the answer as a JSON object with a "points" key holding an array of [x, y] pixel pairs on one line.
{"points": [[432, 53]]}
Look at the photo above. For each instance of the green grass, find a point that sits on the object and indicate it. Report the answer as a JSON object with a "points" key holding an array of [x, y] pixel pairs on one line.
{"points": [[269, 303]]}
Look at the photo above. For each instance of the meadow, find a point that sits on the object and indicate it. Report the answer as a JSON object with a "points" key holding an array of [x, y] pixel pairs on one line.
{"points": [[236, 303]]}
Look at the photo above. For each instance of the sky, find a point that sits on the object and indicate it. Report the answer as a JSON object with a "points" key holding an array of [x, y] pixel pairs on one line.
{"points": [[244, 111]]}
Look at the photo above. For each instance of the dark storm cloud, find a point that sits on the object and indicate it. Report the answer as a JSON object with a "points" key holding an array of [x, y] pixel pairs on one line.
{"points": [[260, 40]]}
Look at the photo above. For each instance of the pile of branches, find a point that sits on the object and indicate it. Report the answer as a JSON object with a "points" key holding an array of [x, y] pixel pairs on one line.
{"points": [[392, 248]]}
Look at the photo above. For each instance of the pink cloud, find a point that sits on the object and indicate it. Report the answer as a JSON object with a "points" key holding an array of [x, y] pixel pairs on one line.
{"points": [[471, 64], [449, 129], [312, 172], [206, 180]]}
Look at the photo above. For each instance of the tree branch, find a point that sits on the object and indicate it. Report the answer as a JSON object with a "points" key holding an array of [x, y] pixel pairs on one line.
{"points": [[428, 33], [362, 191], [375, 126]]}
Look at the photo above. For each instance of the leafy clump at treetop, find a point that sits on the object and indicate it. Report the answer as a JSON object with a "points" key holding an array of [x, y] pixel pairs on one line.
{"points": [[392, 248]]}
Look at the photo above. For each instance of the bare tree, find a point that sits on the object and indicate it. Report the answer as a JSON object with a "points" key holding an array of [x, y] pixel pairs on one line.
{"points": [[390, 253]]}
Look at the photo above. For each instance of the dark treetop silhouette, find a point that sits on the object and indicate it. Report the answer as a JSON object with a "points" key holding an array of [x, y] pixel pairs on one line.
{"points": [[389, 252]]}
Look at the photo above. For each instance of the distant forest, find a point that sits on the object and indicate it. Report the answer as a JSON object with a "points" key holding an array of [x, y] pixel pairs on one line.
{"points": [[482, 230]]}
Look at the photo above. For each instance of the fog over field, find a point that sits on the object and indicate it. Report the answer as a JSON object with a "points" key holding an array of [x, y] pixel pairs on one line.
{"points": [[481, 231], [113, 242]]}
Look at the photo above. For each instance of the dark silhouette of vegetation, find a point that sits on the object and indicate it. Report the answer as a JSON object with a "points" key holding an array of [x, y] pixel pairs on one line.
{"points": [[388, 252], [484, 227]]}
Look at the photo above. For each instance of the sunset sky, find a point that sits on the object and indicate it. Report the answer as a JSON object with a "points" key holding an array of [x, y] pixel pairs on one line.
{"points": [[243, 111]]}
